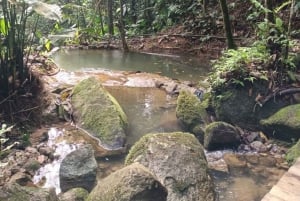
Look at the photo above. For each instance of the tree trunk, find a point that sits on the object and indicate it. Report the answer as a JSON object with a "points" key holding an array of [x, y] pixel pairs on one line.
{"points": [[227, 26], [270, 15], [204, 6], [122, 28], [133, 11], [147, 13], [110, 16], [81, 18], [289, 29], [101, 17]]}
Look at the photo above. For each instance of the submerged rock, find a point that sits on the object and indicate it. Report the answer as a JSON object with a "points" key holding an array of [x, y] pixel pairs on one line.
{"points": [[178, 160], [78, 169], [131, 183], [97, 112], [220, 135], [284, 124], [15, 192]]}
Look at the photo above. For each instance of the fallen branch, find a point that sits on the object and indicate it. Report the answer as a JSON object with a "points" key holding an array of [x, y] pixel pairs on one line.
{"points": [[26, 110], [8, 97], [279, 92]]}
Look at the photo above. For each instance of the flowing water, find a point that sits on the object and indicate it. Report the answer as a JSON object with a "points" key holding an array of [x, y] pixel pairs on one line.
{"points": [[151, 110], [177, 67]]}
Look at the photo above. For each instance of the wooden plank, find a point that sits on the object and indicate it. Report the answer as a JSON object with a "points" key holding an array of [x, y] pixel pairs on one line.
{"points": [[288, 187]]}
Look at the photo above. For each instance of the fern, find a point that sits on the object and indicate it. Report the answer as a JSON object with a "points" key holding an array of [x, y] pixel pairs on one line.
{"points": [[234, 66]]}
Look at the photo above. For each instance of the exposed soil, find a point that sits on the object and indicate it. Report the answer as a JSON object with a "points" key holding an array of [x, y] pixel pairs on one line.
{"points": [[178, 44]]}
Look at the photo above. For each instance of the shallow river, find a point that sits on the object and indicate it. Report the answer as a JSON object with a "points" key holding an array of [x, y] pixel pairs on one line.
{"points": [[151, 110]]}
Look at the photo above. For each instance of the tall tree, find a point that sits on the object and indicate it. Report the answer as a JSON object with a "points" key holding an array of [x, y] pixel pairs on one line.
{"points": [[110, 19], [133, 11], [122, 27], [270, 14], [227, 25], [100, 17], [147, 13]]}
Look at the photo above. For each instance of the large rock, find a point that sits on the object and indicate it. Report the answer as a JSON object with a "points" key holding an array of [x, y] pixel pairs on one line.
{"points": [[237, 105], [284, 124], [97, 112], [178, 160], [78, 169], [220, 135], [15, 192], [293, 153], [191, 113], [75, 194], [132, 183]]}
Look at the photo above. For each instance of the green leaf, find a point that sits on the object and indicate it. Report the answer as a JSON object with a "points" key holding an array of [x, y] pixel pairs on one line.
{"points": [[3, 28], [278, 22], [48, 45]]}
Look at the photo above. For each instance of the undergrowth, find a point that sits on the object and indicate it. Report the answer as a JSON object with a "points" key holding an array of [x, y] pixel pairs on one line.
{"points": [[238, 66]]}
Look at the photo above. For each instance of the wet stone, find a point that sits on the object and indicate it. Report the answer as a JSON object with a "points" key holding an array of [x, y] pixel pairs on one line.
{"points": [[258, 146]]}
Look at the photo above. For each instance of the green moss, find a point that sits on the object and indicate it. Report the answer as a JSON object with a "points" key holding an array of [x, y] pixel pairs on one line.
{"points": [[140, 147], [98, 112], [218, 100], [293, 153], [288, 116], [119, 109], [189, 109], [213, 125], [181, 186], [137, 149], [76, 194]]}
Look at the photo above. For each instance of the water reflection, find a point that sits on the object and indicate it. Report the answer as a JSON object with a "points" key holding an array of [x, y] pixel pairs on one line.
{"points": [[184, 68], [148, 110]]}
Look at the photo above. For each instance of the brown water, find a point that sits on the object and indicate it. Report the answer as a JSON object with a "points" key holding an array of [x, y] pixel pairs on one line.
{"points": [[149, 110], [178, 67]]}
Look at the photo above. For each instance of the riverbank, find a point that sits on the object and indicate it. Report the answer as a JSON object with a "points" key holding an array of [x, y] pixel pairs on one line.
{"points": [[228, 165]]}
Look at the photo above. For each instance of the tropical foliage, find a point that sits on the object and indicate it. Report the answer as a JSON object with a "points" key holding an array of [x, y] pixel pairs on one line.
{"points": [[268, 58], [15, 38]]}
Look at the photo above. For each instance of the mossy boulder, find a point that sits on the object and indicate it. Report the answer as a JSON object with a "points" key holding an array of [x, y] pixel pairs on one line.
{"points": [[237, 105], [293, 153], [220, 135], [191, 113], [178, 161], [284, 124], [131, 183], [15, 192], [97, 112], [75, 194]]}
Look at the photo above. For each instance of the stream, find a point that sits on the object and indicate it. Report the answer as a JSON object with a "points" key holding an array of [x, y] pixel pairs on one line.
{"points": [[177, 67], [248, 177]]}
